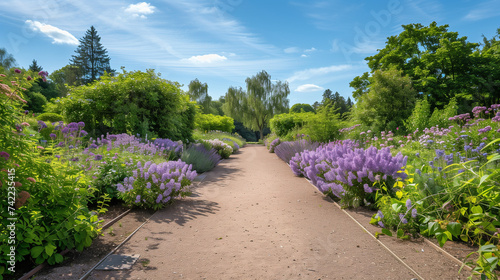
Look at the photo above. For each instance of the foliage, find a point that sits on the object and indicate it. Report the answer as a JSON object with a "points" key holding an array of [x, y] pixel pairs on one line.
{"points": [[386, 87], [301, 107], [65, 78], [91, 57], [198, 135], [283, 124], [7, 61], [199, 92], [200, 158], [48, 201], [209, 122], [36, 101], [132, 102], [338, 102], [259, 103], [155, 185], [50, 117], [223, 149]]}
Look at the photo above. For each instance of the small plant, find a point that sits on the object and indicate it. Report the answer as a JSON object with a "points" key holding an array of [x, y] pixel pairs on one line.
{"points": [[200, 158]]}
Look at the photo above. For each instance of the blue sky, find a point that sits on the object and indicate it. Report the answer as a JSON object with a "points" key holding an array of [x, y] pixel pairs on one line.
{"points": [[314, 45]]}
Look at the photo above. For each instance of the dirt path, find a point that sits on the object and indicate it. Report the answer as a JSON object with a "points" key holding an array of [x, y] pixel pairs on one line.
{"points": [[252, 219]]}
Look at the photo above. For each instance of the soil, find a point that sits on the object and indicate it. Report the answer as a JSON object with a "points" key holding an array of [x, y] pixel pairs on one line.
{"points": [[251, 218]]}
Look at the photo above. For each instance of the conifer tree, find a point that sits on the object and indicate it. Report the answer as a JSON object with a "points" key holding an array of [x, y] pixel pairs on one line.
{"points": [[91, 57]]}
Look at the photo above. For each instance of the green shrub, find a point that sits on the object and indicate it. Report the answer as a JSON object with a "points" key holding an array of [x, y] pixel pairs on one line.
{"points": [[282, 124], [209, 122], [132, 102], [50, 117], [36, 101], [223, 149], [50, 198], [301, 107]]}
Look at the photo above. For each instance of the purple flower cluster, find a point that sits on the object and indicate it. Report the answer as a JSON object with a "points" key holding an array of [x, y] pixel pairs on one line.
{"points": [[274, 144], [169, 145], [348, 128], [286, 150], [154, 185], [461, 117], [340, 166]]}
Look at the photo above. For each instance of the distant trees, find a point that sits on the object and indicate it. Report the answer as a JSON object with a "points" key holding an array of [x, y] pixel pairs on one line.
{"points": [[198, 92], [91, 57], [35, 67], [299, 107], [6, 60], [262, 100]]}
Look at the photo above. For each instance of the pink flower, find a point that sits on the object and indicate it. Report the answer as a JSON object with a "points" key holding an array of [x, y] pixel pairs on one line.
{"points": [[17, 71], [31, 179], [25, 124]]}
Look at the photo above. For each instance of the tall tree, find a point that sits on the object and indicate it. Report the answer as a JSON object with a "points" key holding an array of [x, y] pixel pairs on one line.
{"points": [[198, 92], [64, 78], [6, 60], [389, 101], [91, 57], [35, 67], [262, 100], [437, 61]]}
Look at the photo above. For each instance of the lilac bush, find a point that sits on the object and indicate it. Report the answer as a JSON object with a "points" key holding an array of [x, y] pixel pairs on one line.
{"points": [[274, 144], [286, 150], [155, 185], [200, 158], [347, 172], [223, 149]]}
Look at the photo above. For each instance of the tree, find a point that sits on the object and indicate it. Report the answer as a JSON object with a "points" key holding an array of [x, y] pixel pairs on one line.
{"points": [[299, 107], [262, 100], [199, 92], [6, 60], [64, 78], [389, 101], [336, 102], [91, 57], [35, 67]]}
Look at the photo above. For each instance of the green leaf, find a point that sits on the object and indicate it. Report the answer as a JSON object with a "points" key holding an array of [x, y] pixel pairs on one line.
{"points": [[58, 257], [476, 209], [454, 228], [386, 232], [400, 233], [442, 238], [448, 235], [49, 249], [464, 237], [36, 251]]}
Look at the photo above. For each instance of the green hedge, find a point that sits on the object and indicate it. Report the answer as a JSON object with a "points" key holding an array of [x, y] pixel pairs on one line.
{"points": [[132, 102], [209, 122], [284, 123], [50, 117]]}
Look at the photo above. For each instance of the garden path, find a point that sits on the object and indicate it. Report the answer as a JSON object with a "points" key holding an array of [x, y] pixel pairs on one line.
{"points": [[251, 218]]}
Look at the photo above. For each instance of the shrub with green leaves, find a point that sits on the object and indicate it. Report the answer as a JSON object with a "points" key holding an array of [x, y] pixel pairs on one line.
{"points": [[49, 200], [209, 122], [223, 149], [132, 102], [50, 117]]}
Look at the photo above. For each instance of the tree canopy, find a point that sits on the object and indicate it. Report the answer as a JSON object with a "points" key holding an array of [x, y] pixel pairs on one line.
{"points": [[440, 64], [91, 57], [299, 107], [6, 60], [262, 100]]}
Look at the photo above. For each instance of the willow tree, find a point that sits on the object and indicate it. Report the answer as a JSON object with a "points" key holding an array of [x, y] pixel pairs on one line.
{"points": [[198, 92], [262, 100]]}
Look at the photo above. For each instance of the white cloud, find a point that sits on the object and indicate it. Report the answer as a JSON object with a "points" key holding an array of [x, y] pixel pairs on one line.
{"points": [[58, 35], [291, 50], [310, 50], [484, 10], [313, 72], [304, 55], [308, 88], [207, 58], [140, 9]]}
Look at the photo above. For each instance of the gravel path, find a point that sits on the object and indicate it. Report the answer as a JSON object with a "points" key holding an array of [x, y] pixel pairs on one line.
{"points": [[252, 219]]}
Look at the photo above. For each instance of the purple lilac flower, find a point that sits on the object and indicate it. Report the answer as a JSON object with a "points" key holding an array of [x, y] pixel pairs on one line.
{"points": [[83, 133], [403, 219], [65, 130], [414, 213], [17, 71], [81, 124], [381, 224], [380, 214], [53, 136], [138, 199], [98, 157], [408, 204]]}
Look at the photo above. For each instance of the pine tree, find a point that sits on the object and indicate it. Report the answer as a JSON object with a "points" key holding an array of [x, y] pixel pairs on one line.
{"points": [[91, 57], [35, 67]]}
